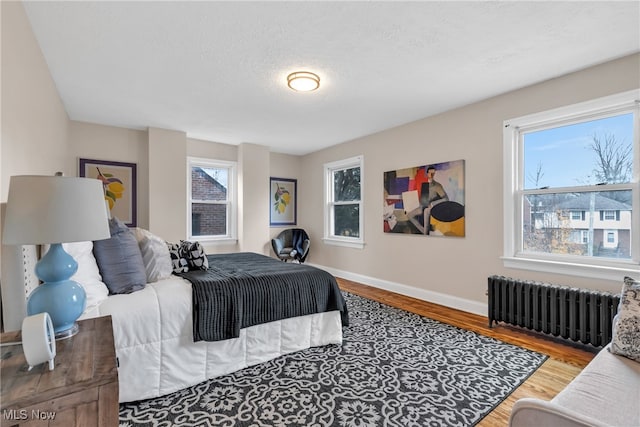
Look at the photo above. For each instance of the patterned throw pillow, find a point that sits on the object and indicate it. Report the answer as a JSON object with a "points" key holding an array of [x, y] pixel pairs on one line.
{"points": [[195, 255], [178, 262], [626, 330]]}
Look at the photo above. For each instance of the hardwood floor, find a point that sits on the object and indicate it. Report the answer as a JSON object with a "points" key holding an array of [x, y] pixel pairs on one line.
{"points": [[565, 361]]}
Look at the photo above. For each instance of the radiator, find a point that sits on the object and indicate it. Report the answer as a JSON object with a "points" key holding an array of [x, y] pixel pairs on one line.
{"points": [[578, 314]]}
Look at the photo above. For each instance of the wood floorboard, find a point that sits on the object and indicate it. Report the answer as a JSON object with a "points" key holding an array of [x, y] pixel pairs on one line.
{"points": [[565, 362]]}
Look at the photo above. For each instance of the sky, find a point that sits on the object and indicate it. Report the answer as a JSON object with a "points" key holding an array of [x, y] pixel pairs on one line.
{"points": [[219, 175], [564, 152]]}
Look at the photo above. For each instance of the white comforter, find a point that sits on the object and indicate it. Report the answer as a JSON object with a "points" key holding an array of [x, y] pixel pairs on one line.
{"points": [[155, 349]]}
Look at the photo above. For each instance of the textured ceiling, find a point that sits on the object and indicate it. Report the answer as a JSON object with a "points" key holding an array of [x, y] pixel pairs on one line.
{"points": [[217, 70]]}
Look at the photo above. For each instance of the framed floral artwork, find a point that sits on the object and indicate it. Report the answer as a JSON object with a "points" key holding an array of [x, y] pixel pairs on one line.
{"points": [[119, 184], [283, 199]]}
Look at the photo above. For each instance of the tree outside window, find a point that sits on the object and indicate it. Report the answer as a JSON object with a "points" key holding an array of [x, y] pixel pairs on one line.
{"points": [[343, 193], [572, 185], [605, 152], [346, 190]]}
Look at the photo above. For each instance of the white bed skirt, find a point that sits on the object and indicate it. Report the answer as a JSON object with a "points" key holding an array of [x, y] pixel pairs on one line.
{"points": [[155, 349]]}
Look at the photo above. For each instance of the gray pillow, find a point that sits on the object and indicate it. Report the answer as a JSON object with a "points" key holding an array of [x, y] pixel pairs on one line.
{"points": [[120, 260]]}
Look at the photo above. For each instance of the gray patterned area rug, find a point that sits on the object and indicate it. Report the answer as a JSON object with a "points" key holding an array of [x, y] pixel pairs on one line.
{"points": [[394, 368]]}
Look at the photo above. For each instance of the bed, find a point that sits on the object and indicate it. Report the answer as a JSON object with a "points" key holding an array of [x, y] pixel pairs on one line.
{"points": [[153, 327]]}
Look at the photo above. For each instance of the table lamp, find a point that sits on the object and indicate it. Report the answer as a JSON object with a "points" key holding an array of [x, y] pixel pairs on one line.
{"points": [[55, 210]]}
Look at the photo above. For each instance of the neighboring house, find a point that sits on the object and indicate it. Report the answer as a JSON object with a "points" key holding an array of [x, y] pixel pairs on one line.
{"points": [[594, 222], [206, 218]]}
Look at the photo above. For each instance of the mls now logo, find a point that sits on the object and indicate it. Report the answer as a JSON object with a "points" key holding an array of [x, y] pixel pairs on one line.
{"points": [[23, 414]]}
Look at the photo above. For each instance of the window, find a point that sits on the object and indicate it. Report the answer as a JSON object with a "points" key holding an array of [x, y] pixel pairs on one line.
{"points": [[546, 202], [343, 203], [211, 207], [577, 215], [585, 236]]}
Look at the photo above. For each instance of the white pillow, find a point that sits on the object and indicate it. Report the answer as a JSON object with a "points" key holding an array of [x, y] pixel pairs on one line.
{"points": [[88, 274], [155, 255]]}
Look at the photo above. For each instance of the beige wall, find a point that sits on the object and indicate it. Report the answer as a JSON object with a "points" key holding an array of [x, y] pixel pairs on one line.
{"points": [[38, 138], [253, 198], [34, 121], [161, 159], [287, 166], [92, 141], [450, 270], [167, 183], [211, 150]]}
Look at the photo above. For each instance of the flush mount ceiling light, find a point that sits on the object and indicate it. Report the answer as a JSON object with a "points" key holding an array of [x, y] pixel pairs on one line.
{"points": [[303, 81]]}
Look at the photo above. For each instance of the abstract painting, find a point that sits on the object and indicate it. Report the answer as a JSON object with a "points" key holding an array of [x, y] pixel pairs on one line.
{"points": [[427, 200]]}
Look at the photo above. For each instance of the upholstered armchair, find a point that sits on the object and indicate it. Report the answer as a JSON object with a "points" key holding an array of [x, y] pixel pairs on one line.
{"points": [[291, 244]]}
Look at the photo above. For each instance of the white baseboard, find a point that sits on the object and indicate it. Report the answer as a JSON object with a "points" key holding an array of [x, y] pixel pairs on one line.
{"points": [[463, 304]]}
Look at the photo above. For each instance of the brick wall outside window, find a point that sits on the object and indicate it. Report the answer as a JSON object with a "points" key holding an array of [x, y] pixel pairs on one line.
{"points": [[207, 219]]}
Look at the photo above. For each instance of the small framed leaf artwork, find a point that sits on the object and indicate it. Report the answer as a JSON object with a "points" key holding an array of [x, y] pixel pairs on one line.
{"points": [[283, 199], [119, 184]]}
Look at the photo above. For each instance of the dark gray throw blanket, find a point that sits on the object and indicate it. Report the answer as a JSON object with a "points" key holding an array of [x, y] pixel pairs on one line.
{"points": [[246, 289], [298, 236]]}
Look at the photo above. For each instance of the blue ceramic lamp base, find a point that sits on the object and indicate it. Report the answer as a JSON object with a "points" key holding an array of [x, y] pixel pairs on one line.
{"points": [[62, 298]]}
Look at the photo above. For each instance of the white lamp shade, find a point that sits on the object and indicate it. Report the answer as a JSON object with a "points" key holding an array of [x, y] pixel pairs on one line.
{"points": [[54, 209]]}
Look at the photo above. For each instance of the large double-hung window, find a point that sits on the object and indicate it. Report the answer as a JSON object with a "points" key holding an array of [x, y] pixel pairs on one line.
{"points": [[343, 203], [572, 193], [211, 207]]}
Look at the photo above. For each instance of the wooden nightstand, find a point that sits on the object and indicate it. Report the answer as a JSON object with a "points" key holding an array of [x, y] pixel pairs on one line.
{"points": [[81, 391]]}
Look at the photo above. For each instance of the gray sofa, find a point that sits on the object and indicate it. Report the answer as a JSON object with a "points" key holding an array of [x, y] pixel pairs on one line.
{"points": [[605, 393]]}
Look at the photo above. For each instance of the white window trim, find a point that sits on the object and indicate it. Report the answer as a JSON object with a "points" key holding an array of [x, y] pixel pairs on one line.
{"points": [[512, 162], [231, 236], [329, 238], [584, 235]]}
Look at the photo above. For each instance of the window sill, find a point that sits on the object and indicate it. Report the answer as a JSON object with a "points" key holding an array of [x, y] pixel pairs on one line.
{"points": [[613, 272], [214, 241], [357, 244]]}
